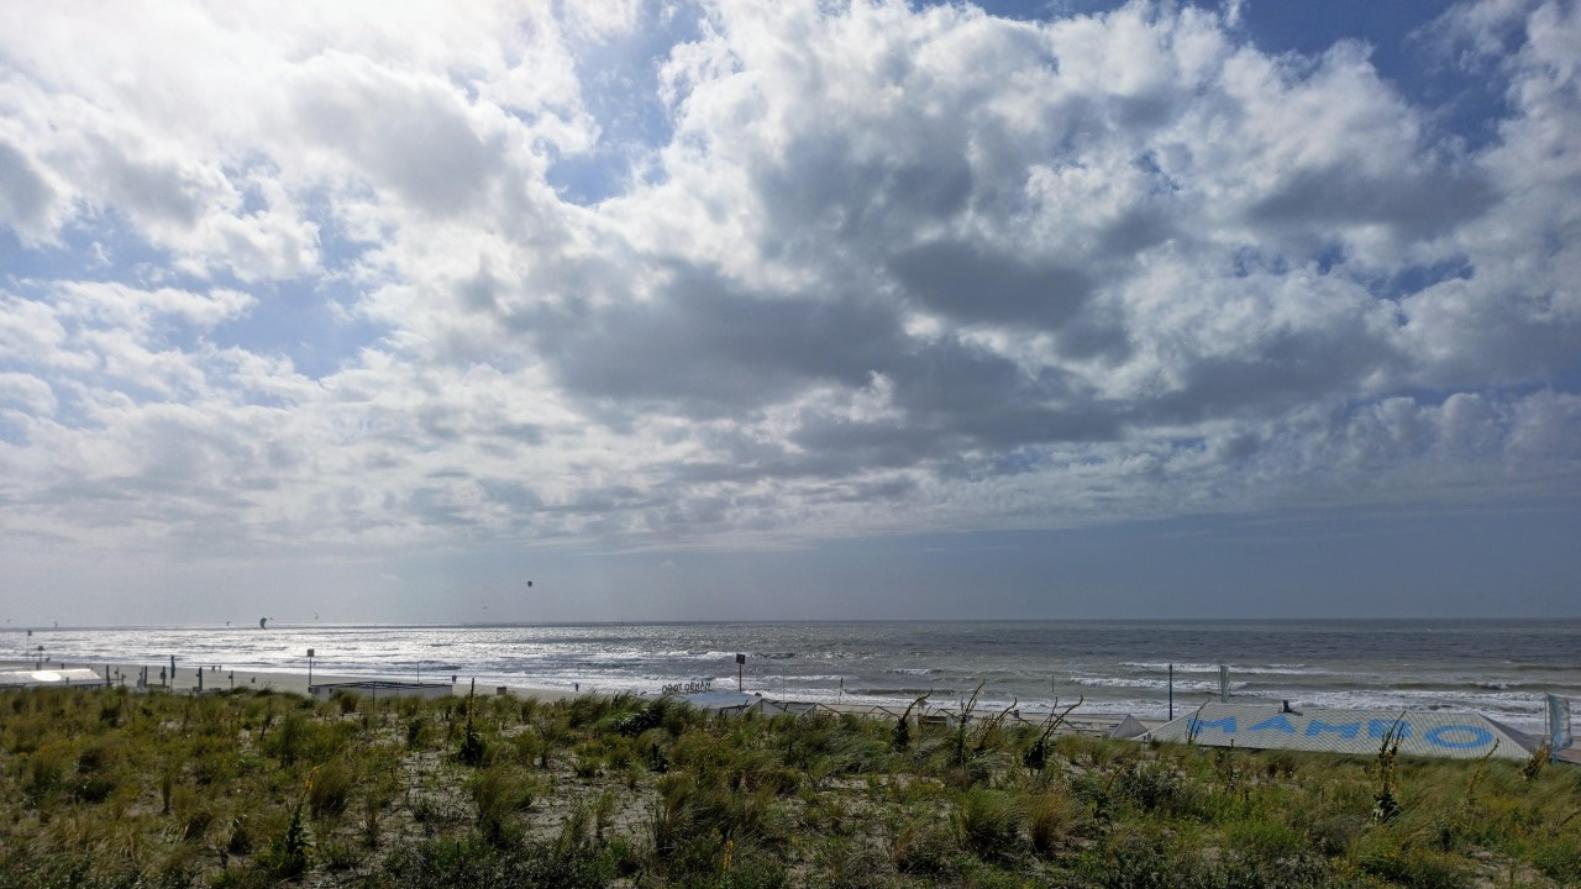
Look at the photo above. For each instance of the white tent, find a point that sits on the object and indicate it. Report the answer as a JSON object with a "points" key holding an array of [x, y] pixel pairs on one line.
{"points": [[77, 677], [1271, 727]]}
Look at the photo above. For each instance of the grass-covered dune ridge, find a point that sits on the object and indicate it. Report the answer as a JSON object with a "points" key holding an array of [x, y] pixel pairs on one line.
{"points": [[106, 788]]}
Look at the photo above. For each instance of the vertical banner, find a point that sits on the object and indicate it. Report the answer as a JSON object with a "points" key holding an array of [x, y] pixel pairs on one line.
{"points": [[1559, 735], [1224, 684]]}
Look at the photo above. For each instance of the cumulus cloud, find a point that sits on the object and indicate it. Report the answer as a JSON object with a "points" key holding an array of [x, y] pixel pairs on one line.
{"points": [[863, 268]]}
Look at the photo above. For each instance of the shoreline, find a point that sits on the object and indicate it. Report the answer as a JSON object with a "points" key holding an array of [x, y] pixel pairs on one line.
{"points": [[1088, 722], [286, 682], [1118, 667]]}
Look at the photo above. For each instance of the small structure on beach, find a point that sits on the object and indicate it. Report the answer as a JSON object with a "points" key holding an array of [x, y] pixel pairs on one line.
{"points": [[382, 688], [1361, 732], [74, 677], [722, 701]]}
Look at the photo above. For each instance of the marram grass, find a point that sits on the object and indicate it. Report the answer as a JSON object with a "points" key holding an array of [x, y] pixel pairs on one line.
{"points": [[108, 789]]}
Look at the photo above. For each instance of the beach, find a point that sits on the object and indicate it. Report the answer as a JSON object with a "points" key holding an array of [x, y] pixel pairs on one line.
{"points": [[285, 682], [1500, 668]]}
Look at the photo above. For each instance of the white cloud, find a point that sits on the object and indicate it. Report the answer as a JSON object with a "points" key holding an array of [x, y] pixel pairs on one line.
{"points": [[884, 269]]}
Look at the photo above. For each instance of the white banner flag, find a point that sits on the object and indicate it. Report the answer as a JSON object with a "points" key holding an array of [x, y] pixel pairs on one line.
{"points": [[1559, 736]]}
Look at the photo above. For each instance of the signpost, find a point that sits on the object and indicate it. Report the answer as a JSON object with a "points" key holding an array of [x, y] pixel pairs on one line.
{"points": [[741, 660], [1171, 691], [310, 671]]}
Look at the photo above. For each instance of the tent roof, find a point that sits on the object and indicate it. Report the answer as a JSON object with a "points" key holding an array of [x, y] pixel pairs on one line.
{"points": [[50, 678], [1422, 732], [719, 700]]}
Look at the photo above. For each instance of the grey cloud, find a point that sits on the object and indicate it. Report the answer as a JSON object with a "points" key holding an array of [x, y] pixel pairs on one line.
{"points": [[1286, 369], [708, 348], [437, 506], [413, 135], [971, 283], [1414, 205], [151, 188], [821, 184], [511, 493], [25, 197]]}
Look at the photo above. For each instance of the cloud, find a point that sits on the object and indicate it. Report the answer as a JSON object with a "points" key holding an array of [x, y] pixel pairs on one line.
{"points": [[26, 199], [849, 270]]}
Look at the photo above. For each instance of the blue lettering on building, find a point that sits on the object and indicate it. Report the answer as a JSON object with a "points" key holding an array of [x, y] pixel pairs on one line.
{"points": [[1345, 730], [1442, 737], [1275, 724], [1377, 728], [1226, 725]]}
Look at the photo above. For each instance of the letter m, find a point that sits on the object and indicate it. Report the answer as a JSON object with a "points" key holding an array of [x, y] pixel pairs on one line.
{"points": [[1226, 725]]}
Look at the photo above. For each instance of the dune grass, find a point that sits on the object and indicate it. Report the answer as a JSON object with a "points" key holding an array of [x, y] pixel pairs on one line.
{"points": [[107, 789]]}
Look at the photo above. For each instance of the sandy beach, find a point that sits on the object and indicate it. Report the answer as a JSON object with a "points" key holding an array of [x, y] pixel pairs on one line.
{"points": [[186, 679]]}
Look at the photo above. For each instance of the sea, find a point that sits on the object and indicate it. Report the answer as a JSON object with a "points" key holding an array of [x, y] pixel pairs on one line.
{"points": [[1502, 668]]}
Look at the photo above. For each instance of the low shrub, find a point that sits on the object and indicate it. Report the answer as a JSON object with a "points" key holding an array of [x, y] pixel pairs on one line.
{"points": [[1051, 816], [989, 822], [1382, 853], [470, 863], [498, 792], [926, 848], [329, 789]]}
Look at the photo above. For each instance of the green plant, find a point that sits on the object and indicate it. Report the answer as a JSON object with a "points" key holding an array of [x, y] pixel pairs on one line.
{"points": [[330, 789], [1152, 786], [497, 793], [1035, 756], [1385, 807], [240, 841], [926, 848], [472, 749], [989, 822], [1535, 763], [374, 802], [900, 736], [291, 850], [346, 702], [1051, 816], [958, 748], [1396, 858]]}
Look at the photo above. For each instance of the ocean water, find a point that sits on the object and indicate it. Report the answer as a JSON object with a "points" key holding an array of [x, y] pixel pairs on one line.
{"points": [[1501, 668]]}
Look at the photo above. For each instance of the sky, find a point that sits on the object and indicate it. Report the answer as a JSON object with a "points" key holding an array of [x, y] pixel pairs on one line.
{"points": [[793, 310]]}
